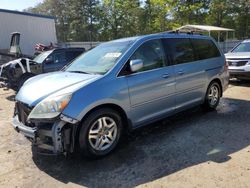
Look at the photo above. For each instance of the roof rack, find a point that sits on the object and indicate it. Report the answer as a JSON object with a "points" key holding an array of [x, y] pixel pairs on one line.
{"points": [[177, 31]]}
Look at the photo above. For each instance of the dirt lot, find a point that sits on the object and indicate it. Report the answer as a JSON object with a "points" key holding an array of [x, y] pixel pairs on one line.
{"points": [[192, 149]]}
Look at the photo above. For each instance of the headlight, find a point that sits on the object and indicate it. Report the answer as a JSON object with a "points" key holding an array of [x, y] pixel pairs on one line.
{"points": [[50, 107]]}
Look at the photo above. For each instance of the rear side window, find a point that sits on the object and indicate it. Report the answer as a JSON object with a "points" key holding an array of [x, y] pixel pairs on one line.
{"points": [[205, 49], [181, 50]]}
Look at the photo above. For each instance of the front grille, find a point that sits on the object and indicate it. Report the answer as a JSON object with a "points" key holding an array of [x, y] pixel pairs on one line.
{"points": [[237, 63], [23, 111]]}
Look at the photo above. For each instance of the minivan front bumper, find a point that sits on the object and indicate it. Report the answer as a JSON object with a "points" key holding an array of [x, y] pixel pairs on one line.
{"points": [[29, 132], [50, 138]]}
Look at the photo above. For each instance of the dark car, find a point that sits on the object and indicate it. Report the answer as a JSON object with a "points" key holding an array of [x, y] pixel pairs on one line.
{"points": [[16, 72]]}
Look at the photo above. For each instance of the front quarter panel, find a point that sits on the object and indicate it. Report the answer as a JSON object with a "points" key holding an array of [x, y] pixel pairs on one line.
{"points": [[103, 91]]}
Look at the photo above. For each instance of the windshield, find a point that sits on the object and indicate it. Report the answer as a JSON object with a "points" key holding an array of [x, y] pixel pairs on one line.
{"points": [[41, 57], [100, 59], [242, 47]]}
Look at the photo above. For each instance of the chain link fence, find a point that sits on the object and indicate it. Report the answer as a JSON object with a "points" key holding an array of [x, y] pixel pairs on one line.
{"points": [[228, 45]]}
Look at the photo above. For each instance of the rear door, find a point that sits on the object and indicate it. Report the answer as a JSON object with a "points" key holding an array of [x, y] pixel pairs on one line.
{"points": [[189, 73], [152, 88]]}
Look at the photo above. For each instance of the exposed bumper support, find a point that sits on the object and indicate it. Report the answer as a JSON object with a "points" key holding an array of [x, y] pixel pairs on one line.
{"points": [[41, 136]]}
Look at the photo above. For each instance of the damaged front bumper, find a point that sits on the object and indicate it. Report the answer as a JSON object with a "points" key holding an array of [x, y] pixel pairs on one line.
{"points": [[51, 138]]}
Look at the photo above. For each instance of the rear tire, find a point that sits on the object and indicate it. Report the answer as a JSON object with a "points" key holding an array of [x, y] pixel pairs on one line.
{"points": [[213, 95], [100, 133]]}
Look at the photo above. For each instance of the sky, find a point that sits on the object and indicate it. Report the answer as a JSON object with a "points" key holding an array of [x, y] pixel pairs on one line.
{"points": [[18, 4]]}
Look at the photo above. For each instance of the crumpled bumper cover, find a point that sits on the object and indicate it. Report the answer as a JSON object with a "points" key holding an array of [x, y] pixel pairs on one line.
{"points": [[30, 132]]}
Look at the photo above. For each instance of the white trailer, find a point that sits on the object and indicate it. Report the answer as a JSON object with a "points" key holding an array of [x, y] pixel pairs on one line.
{"points": [[34, 28]]}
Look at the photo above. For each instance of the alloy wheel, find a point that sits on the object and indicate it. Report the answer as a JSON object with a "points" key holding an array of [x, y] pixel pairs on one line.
{"points": [[213, 95], [102, 133]]}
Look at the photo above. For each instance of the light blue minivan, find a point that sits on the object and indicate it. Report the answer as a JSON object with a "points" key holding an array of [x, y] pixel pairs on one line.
{"points": [[119, 85]]}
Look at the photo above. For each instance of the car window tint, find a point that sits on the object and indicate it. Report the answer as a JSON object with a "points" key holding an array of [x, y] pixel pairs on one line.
{"points": [[70, 55], [59, 57], [152, 55], [205, 49], [180, 49]]}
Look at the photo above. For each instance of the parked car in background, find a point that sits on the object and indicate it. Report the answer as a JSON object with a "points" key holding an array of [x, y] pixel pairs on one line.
{"points": [[239, 61], [119, 85], [16, 72]]}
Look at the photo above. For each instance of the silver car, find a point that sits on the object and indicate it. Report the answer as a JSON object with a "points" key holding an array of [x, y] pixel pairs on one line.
{"points": [[239, 60], [119, 85]]}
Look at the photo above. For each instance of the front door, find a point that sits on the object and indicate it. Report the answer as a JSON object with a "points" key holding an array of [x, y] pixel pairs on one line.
{"points": [[152, 88]]}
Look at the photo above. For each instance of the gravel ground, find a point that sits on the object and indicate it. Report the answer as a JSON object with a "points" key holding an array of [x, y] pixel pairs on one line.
{"points": [[192, 149]]}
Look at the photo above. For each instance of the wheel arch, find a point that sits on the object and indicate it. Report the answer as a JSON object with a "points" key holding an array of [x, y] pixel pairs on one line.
{"points": [[117, 108]]}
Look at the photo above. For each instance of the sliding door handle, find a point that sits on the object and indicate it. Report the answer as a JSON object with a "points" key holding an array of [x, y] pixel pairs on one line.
{"points": [[180, 72], [165, 76]]}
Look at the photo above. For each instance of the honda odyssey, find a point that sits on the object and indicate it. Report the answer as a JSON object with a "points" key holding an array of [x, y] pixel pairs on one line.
{"points": [[119, 85]]}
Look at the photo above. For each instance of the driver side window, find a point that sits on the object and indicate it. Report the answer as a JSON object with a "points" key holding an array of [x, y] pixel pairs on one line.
{"points": [[152, 55], [59, 57]]}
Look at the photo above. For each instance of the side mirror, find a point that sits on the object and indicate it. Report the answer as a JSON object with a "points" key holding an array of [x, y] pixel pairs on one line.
{"points": [[135, 65], [49, 61]]}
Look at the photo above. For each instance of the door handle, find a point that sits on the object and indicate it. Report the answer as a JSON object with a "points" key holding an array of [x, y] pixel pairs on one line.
{"points": [[180, 72], [165, 76]]}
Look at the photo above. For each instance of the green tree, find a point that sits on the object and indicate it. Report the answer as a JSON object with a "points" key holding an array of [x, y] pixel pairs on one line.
{"points": [[119, 18], [81, 19], [242, 19], [189, 11], [156, 14], [92, 20]]}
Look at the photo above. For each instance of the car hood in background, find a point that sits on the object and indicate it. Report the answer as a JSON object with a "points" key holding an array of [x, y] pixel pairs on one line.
{"points": [[238, 55], [39, 87]]}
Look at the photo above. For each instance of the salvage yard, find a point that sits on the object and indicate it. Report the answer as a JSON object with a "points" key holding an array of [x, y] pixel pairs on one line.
{"points": [[192, 149]]}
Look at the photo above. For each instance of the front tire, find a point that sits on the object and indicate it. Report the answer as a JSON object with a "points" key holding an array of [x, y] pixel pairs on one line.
{"points": [[100, 133], [212, 96]]}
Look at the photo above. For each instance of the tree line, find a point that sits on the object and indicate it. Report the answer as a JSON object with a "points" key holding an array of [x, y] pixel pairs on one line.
{"points": [[103, 20]]}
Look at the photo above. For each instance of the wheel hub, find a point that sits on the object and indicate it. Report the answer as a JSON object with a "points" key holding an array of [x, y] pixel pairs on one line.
{"points": [[213, 95], [102, 133]]}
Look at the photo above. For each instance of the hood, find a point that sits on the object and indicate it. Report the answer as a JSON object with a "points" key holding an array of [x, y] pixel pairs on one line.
{"points": [[237, 55], [39, 87]]}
